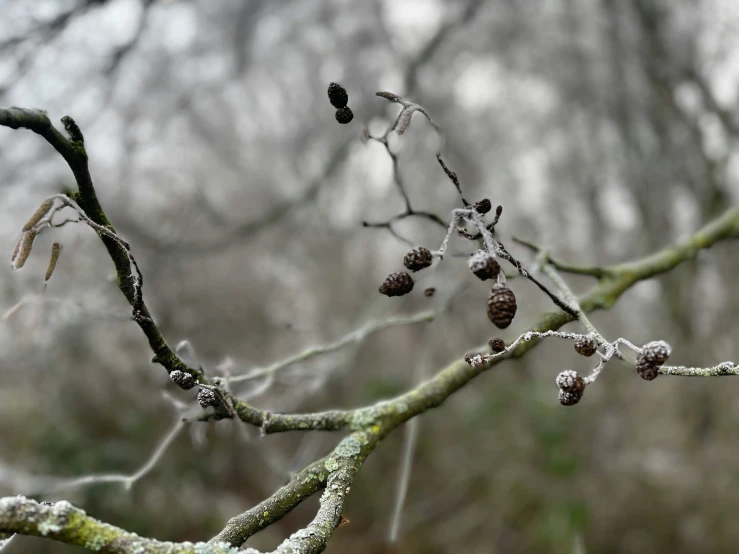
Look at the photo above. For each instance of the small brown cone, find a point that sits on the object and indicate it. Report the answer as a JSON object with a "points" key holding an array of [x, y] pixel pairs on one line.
{"points": [[483, 206], [569, 398], [646, 370], [656, 352], [585, 346], [570, 381], [483, 265], [337, 95], [206, 397], [397, 284], [344, 115], [418, 259], [501, 306], [182, 379]]}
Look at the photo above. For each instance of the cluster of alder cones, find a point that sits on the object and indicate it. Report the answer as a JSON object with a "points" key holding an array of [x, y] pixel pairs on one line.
{"points": [[572, 386], [653, 355], [501, 306], [339, 99]]}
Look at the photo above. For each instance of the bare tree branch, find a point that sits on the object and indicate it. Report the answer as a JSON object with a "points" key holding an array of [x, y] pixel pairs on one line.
{"points": [[369, 425]]}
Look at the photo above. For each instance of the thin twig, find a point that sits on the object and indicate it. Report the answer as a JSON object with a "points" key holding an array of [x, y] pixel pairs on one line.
{"points": [[354, 336]]}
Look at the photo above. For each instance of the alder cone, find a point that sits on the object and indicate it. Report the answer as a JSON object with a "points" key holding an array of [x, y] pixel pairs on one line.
{"points": [[206, 397], [418, 259], [570, 381], [501, 306], [397, 284], [646, 369], [483, 265], [656, 352], [344, 115], [585, 346], [183, 380], [483, 206], [337, 95], [569, 398]]}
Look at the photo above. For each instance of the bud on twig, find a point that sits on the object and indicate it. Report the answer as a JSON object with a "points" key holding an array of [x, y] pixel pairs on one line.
{"points": [[72, 129], [497, 345]]}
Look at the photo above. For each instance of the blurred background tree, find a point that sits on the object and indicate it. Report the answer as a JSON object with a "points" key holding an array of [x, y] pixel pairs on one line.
{"points": [[606, 129]]}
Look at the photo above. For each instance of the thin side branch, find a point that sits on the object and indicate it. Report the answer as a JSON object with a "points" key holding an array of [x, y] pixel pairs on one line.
{"points": [[358, 335], [593, 271]]}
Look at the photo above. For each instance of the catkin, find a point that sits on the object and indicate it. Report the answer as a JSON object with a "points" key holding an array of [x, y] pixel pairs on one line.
{"points": [[56, 249], [23, 249], [42, 210]]}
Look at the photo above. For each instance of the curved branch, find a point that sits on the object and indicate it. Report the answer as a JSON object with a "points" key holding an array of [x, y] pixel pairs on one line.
{"points": [[73, 151], [302, 485]]}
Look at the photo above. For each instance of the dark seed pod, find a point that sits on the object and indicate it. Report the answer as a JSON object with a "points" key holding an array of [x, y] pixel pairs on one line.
{"points": [[206, 397], [497, 345], [182, 379], [418, 259], [483, 265], [430, 292], [344, 115], [483, 206], [397, 284], [570, 381], [656, 352], [585, 346], [501, 306], [646, 370], [569, 398], [337, 96]]}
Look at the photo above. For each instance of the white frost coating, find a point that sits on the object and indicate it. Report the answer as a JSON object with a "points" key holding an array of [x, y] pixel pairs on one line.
{"points": [[566, 379], [479, 260]]}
